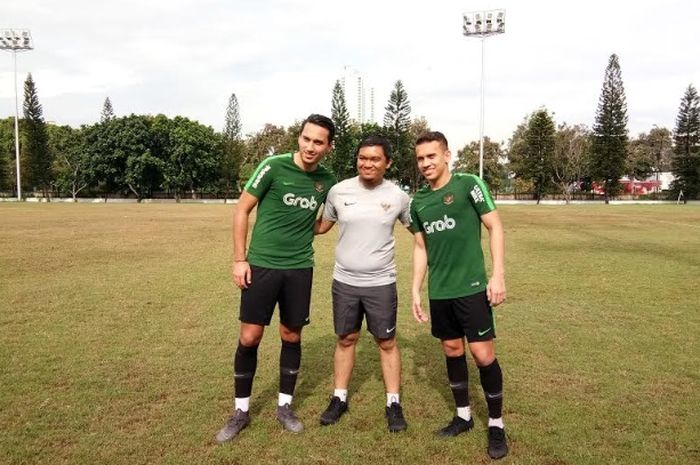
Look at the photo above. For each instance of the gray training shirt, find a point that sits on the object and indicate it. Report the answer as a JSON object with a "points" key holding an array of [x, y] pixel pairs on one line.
{"points": [[364, 255]]}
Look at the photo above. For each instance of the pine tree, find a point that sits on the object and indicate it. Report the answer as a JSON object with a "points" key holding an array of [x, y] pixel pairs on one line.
{"points": [[36, 141], [342, 160], [233, 119], [538, 163], [397, 122], [232, 153], [609, 146], [686, 154], [107, 111], [398, 110]]}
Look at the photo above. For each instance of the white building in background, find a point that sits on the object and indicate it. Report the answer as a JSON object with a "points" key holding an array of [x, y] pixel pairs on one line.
{"points": [[359, 97]]}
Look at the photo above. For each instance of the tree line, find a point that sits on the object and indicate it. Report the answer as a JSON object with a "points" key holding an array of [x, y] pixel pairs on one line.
{"points": [[143, 156]]}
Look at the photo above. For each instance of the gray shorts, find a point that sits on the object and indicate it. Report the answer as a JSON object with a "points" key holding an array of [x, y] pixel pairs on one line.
{"points": [[352, 303]]}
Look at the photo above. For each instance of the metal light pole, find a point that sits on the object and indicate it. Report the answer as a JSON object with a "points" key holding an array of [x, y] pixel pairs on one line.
{"points": [[483, 24], [16, 40]]}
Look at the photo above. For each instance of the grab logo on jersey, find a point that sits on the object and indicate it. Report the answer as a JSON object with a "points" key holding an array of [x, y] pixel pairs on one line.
{"points": [[439, 225], [294, 201]]}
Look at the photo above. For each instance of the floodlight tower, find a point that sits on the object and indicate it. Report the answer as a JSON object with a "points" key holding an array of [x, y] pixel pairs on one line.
{"points": [[16, 40], [483, 24]]}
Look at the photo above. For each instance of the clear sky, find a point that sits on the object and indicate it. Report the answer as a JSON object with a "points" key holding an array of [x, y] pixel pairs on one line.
{"points": [[281, 58]]}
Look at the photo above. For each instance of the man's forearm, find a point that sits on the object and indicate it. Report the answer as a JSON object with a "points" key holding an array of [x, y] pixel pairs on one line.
{"points": [[240, 235]]}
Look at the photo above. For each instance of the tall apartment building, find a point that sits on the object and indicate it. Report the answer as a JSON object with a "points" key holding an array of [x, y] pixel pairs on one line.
{"points": [[359, 98]]}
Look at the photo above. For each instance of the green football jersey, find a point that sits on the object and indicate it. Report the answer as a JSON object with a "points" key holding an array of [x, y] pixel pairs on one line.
{"points": [[288, 202], [450, 219]]}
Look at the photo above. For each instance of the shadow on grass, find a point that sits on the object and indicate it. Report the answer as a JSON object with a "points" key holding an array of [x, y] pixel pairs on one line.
{"points": [[429, 369]]}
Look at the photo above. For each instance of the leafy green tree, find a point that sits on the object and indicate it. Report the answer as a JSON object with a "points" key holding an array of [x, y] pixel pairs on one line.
{"points": [[71, 162], [686, 157], [7, 154], [495, 172], [660, 141], [640, 159], [121, 156], [571, 157], [231, 150], [609, 148], [533, 160], [342, 159], [192, 157], [517, 147], [417, 128], [107, 111], [269, 140], [37, 158], [397, 122]]}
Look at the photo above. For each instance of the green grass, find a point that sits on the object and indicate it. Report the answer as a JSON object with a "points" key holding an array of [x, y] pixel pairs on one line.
{"points": [[118, 324]]}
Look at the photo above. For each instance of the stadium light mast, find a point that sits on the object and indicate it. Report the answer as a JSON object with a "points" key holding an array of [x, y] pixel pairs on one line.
{"points": [[16, 40], [483, 24]]}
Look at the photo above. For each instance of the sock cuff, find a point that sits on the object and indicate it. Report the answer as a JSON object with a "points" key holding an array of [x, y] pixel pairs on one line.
{"points": [[291, 345], [490, 366], [247, 349]]}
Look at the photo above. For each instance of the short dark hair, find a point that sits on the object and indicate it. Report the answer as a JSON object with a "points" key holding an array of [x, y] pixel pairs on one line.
{"points": [[323, 121], [432, 136], [373, 141]]}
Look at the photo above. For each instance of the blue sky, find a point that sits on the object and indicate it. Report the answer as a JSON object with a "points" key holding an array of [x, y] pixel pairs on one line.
{"points": [[281, 58]]}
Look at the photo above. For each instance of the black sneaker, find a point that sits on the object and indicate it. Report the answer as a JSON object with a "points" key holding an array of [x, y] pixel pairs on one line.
{"points": [[395, 419], [458, 425], [498, 448], [335, 410], [233, 426]]}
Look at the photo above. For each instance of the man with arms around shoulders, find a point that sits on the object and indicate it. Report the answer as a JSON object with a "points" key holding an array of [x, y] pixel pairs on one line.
{"points": [[366, 208], [277, 268], [446, 217]]}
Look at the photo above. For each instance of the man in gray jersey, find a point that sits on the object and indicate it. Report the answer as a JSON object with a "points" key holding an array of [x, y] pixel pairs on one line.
{"points": [[366, 208]]}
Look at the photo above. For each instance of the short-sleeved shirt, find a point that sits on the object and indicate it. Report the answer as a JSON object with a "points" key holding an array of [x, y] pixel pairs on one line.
{"points": [[364, 254], [450, 219], [288, 203]]}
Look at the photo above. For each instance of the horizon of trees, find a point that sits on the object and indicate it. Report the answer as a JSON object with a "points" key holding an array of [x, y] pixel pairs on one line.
{"points": [[143, 156]]}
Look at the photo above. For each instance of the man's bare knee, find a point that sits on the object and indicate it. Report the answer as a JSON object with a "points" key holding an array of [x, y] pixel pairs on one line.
{"points": [[386, 345], [348, 340]]}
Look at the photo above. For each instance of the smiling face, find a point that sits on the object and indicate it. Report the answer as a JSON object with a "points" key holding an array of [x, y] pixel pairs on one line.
{"points": [[433, 160], [314, 144], [372, 163]]}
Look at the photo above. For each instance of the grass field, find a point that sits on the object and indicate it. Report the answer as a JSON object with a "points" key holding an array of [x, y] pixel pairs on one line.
{"points": [[118, 324]]}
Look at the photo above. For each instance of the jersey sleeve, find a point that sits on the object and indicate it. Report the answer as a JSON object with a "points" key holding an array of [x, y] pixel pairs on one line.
{"points": [[262, 177], [405, 215], [479, 195], [329, 211], [415, 225]]}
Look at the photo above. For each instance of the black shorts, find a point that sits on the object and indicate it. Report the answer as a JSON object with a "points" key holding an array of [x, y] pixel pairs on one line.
{"points": [[469, 316], [291, 289], [352, 303]]}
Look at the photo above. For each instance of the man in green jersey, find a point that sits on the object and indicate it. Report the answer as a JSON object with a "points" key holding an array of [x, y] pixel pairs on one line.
{"points": [[446, 218], [288, 190]]}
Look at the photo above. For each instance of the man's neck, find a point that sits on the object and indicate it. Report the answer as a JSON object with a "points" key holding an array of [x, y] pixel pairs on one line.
{"points": [[304, 166], [441, 181], [370, 184]]}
